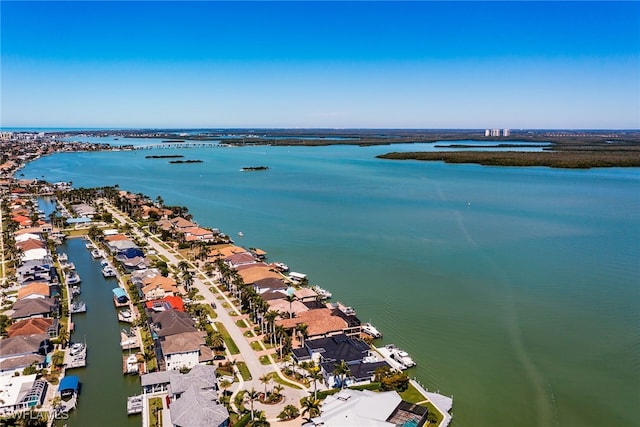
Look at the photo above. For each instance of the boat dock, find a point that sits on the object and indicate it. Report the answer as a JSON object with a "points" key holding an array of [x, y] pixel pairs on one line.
{"points": [[77, 307], [78, 360], [135, 404], [129, 340], [395, 357]]}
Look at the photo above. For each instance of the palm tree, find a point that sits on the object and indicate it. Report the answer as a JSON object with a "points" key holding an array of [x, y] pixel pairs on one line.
{"points": [[288, 413], [291, 298], [311, 406], [251, 395], [260, 420], [301, 328], [224, 385], [187, 279], [183, 266], [216, 339], [277, 390], [315, 375], [270, 318], [265, 379], [342, 370]]}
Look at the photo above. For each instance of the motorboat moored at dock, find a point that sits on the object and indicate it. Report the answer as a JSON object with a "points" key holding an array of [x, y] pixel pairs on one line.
{"points": [[400, 356], [77, 307], [109, 271], [371, 330], [72, 278]]}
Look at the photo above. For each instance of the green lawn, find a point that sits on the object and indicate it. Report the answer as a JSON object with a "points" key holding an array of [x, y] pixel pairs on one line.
{"points": [[231, 345], [264, 360], [241, 324], [244, 371], [255, 345], [412, 395], [276, 378]]}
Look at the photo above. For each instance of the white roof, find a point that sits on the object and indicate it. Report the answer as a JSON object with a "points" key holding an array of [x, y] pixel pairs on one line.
{"points": [[298, 276], [26, 236], [358, 408], [110, 232], [33, 254], [12, 389]]}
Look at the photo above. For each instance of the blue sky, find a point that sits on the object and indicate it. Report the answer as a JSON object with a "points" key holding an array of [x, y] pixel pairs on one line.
{"points": [[321, 64]]}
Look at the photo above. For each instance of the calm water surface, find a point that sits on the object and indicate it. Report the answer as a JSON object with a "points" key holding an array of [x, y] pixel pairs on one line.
{"points": [[517, 290], [103, 387]]}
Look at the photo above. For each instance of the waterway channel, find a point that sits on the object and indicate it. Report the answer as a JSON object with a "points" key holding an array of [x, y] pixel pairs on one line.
{"points": [[103, 387]]}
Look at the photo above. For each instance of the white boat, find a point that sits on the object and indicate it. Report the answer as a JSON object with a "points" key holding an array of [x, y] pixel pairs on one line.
{"points": [[240, 233], [78, 307], [75, 290], [322, 293], [131, 364], [104, 263], [62, 257], [370, 330], [77, 349], [95, 253], [125, 316], [72, 278], [281, 266], [400, 356], [349, 311], [108, 271]]}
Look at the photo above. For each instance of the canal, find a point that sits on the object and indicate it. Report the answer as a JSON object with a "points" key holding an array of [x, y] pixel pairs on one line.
{"points": [[103, 387]]}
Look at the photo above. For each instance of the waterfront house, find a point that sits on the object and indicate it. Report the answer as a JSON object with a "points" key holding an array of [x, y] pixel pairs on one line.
{"points": [[365, 407], [21, 351], [83, 210], [36, 307], [149, 211], [236, 260], [158, 286], [269, 284], [199, 234], [171, 322], [320, 322], [36, 325], [225, 250], [193, 396], [23, 221], [35, 254], [166, 303], [133, 264], [251, 273], [116, 245], [185, 350], [29, 244], [41, 270], [34, 290], [21, 393], [21, 237]]}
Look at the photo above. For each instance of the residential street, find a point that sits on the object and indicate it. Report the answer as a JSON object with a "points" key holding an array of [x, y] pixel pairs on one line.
{"points": [[247, 354]]}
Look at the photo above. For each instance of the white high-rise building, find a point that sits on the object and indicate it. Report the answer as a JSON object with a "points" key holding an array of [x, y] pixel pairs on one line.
{"points": [[487, 132], [495, 132], [506, 132]]}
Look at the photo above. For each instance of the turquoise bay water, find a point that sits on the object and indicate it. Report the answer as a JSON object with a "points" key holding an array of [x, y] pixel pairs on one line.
{"points": [[517, 290]]}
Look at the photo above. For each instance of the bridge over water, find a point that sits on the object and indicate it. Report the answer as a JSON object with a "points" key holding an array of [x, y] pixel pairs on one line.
{"points": [[176, 145]]}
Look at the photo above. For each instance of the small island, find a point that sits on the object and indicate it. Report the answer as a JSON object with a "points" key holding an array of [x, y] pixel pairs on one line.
{"points": [[255, 168], [186, 161]]}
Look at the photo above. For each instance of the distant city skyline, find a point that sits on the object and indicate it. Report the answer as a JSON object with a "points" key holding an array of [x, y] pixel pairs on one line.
{"points": [[422, 65]]}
